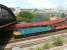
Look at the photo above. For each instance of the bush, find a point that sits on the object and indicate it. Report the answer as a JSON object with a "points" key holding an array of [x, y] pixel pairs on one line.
{"points": [[26, 16], [38, 49], [46, 46], [58, 41]]}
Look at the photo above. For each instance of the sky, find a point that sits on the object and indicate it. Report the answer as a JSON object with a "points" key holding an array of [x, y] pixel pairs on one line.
{"points": [[40, 4]]}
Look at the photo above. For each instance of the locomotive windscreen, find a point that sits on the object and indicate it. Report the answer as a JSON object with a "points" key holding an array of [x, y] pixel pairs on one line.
{"points": [[6, 16]]}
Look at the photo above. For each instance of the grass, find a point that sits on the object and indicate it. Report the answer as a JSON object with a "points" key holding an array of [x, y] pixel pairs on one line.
{"points": [[58, 41], [65, 41]]}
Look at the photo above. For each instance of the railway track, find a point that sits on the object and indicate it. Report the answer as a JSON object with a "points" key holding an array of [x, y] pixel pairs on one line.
{"points": [[36, 39], [39, 36]]}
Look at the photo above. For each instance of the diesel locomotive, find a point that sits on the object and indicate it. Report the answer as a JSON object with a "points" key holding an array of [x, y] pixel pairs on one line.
{"points": [[39, 27]]}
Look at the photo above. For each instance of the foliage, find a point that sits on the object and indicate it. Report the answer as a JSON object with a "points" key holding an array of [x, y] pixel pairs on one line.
{"points": [[58, 41], [38, 49], [26, 16], [46, 46], [62, 15]]}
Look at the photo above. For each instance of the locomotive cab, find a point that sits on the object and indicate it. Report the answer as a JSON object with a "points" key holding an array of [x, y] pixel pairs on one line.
{"points": [[7, 25]]}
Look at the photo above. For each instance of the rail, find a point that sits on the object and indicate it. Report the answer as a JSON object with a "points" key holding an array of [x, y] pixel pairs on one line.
{"points": [[28, 43]]}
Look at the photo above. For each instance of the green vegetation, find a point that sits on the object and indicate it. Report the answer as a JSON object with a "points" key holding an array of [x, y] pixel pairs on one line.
{"points": [[62, 15], [31, 16], [26, 16], [38, 49], [46, 46], [58, 41]]}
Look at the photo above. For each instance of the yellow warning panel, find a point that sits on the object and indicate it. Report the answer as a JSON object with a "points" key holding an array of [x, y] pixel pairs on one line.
{"points": [[16, 33]]}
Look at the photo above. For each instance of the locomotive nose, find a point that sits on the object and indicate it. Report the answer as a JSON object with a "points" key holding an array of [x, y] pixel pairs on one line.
{"points": [[7, 18], [7, 25]]}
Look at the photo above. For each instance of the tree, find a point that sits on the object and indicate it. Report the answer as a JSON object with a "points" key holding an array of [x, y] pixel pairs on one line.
{"points": [[26, 16], [62, 15]]}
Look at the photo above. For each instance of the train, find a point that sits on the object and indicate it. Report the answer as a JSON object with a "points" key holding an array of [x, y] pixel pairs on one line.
{"points": [[7, 18], [39, 27], [7, 25]]}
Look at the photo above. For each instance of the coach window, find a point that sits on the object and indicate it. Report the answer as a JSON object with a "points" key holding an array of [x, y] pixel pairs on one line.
{"points": [[0, 13], [6, 14]]}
